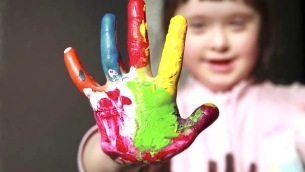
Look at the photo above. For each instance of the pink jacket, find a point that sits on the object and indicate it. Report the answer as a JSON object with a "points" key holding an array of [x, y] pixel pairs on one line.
{"points": [[263, 125], [260, 128]]}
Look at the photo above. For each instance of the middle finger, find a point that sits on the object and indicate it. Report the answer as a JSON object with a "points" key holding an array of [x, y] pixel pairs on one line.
{"points": [[138, 46]]}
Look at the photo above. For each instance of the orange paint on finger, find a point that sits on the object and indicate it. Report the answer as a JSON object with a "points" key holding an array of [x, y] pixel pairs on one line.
{"points": [[78, 74]]}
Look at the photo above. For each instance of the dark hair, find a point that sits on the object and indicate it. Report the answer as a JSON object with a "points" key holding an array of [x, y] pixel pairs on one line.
{"points": [[260, 72]]}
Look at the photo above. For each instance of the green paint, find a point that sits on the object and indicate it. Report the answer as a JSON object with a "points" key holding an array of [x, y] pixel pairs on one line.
{"points": [[196, 115], [156, 119], [194, 119]]}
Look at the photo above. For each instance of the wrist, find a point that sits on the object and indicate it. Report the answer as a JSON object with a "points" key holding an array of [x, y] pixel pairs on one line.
{"points": [[133, 168]]}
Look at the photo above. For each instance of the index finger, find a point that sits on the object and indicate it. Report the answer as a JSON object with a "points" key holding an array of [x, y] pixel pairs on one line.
{"points": [[137, 45], [171, 60]]}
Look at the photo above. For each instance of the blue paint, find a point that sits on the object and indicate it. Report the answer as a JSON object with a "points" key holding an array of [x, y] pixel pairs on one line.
{"points": [[109, 52], [81, 75]]}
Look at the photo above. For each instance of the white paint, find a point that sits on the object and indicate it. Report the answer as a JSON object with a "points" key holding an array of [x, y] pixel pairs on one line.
{"points": [[129, 127], [131, 74], [94, 97], [130, 110], [67, 49]]}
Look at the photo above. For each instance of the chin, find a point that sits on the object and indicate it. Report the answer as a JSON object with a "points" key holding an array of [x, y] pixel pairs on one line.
{"points": [[220, 82], [219, 85], [220, 88]]}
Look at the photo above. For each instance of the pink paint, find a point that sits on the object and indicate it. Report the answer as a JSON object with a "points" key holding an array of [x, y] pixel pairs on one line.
{"points": [[110, 118]]}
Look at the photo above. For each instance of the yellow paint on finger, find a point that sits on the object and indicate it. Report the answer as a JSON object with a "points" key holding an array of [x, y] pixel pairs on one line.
{"points": [[144, 60], [147, 51], [171, 61], [143, 27]]}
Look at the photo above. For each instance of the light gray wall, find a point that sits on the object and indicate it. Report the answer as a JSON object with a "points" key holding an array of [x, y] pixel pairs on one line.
{"points": [[157, 35], [155, 31]]}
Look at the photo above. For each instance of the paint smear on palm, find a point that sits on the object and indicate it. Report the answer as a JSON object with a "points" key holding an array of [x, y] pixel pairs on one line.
{"points": [[156, 120], [154, 129]]}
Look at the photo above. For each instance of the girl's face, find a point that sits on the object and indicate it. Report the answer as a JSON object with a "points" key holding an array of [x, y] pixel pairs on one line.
{"points": [[221, 45]]}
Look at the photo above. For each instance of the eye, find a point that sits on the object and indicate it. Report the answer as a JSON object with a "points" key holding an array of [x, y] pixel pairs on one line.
{"points": [[238, 23], [196, 27]]}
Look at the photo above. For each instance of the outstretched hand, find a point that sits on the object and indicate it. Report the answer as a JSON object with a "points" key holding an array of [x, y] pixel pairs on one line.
{"points": [[136, 113]]}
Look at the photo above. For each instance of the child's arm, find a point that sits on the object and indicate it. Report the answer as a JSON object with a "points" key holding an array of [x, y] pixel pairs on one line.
{"points": [[90, 158], [136, 113], [95, 160]]}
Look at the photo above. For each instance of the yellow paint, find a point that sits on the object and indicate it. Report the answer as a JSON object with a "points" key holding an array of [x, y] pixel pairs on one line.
{"points": [[143, 26], [147, 51], [143, 30], [171, 61], [153, 88], [211, 105], [144, 60]]}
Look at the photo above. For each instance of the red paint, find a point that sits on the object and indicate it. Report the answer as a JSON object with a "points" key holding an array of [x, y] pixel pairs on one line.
{"points": [[121, 63], [109, 117], [136, 44]]}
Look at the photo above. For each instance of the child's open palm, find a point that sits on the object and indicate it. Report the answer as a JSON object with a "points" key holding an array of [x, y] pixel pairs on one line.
{"points": [[136, 113]]}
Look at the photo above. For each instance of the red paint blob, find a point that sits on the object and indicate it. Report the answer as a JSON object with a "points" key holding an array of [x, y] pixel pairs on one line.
{"points": [[137, 44]]}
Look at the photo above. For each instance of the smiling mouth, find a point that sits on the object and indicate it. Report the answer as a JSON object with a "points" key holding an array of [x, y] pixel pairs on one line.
{"points": [[221, 66]]}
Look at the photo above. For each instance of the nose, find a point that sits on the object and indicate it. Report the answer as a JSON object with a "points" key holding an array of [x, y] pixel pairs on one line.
{"points": [[218, 40]]}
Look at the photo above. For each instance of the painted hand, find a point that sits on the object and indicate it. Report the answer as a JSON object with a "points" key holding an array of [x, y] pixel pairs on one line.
{"points": [[136, 113]]}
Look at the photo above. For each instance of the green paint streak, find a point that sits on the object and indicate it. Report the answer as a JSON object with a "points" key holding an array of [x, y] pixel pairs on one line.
{"points": [[156, 119], [194, 119], [196, 115]]}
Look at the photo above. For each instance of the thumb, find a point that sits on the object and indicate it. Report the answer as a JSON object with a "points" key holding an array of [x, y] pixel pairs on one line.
{"points": [[199, 120]]}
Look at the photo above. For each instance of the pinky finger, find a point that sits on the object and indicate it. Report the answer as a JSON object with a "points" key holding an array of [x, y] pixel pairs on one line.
{"points": [[78, 74]]}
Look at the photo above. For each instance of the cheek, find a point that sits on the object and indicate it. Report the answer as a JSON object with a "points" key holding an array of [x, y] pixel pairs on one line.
{"points": [[191, 50], [247, 46]]}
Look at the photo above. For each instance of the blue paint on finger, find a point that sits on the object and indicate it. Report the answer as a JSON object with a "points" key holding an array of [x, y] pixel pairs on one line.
{"points": [[81, 75], [109, 50]]}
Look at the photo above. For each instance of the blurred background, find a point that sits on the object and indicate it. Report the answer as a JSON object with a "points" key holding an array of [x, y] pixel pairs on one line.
{"points": [[42, 115]]}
